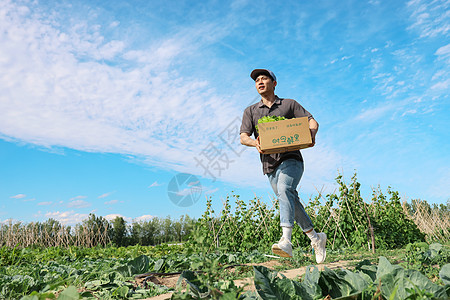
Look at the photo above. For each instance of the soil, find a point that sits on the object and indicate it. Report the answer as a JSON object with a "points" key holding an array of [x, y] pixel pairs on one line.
{"points": [[171, 280]]}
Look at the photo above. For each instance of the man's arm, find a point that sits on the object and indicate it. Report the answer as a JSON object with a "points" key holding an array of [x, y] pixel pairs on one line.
{"points": [[313, 127], [248, 141]]}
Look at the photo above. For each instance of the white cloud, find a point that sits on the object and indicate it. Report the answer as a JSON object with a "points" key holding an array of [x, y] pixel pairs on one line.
{"points": [[188, 191], [409, 112], [442, 75], [45, 203], [51, 97], [439, 74], [79, 204], [111, 202], [403, 75], [442, 85], [9, 221], [104, 195], [209, 191], [375, 113], [111, 217], [78, 198], [444, 50], [389, 110], [114, 24], [239, 4], [143, 218], [430, 18], [110, 50], [57, 91], [18, 196], [155, 184], [67, 217]]}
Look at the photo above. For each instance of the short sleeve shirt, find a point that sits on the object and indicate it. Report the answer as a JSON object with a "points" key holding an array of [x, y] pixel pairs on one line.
{"points": [[287, 108]]}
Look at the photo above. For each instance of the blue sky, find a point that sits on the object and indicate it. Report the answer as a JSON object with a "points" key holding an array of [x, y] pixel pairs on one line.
{"points": [[102, 103]]}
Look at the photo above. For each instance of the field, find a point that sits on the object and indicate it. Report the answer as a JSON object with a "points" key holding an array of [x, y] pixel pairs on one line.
{"points": [[384, 249], [113, 273]]}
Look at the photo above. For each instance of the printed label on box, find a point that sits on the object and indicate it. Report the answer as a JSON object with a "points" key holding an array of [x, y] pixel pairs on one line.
{"points": [[285, 135]]}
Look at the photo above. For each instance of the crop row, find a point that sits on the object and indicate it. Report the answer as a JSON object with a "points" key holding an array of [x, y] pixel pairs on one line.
{"points": [[93, 274], [98, 272]]}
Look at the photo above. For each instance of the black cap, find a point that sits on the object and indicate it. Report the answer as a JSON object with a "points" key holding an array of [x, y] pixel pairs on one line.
{"points": [[256, 72]]}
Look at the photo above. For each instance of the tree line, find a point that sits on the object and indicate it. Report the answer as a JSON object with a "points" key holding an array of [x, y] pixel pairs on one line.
{"points": [[96, 231], [152, 232]]}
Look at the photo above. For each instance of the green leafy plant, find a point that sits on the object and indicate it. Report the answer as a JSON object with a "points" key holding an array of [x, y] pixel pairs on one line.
{"points": [[208, 284], [240, 233], [249, 227], [426, 258], [345, 217], [367, 281], [267, 119]]}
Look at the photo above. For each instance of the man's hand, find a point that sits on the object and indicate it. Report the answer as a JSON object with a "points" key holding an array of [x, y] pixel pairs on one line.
{"points": [[313, 138], [313, 127], [248, 141], [257, 145]]}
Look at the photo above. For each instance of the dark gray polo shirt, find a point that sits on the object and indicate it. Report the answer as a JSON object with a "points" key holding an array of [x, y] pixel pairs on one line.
{"points": [[287, 108]]}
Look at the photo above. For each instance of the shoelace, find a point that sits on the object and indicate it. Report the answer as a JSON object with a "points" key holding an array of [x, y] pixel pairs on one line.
{"points": [[284, 239], [316, 244]]}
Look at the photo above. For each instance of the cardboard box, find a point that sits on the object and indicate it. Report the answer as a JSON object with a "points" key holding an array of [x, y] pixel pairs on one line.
{"points": [[285, 135]]}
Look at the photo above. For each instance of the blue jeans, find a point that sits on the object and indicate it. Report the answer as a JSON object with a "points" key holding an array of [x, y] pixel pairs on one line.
{"points": [[284, 180]]}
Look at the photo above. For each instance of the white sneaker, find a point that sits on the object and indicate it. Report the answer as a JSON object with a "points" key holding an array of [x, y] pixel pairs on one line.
{"points": [[320, 247], [283, 248]]}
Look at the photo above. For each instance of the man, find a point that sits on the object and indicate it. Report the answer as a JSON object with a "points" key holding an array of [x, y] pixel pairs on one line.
{"points": [[284, 170]]}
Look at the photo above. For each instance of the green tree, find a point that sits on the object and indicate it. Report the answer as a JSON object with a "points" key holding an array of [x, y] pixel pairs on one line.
{"points": [[93, 231], [119, 232], [187, 225], [178, 229], [393, 228], [168, 230]]}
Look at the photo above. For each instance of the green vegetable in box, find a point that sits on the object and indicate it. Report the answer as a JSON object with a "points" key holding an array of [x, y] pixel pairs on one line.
{"points": [[266, 119]]}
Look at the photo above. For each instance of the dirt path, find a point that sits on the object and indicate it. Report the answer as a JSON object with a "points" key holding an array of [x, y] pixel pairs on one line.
{"points": [[170, 281]]}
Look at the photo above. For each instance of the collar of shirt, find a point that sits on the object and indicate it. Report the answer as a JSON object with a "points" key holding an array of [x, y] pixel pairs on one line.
{"points": [[277, 102]]}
